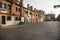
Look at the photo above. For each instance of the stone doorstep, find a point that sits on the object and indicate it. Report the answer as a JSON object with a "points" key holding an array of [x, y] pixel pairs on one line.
{"points": [[12, 26]]}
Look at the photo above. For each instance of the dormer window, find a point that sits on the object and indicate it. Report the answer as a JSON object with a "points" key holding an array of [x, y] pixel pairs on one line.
{"points": [[18, 1]]}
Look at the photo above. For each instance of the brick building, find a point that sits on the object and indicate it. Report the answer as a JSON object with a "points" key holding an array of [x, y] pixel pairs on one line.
{"points": [[49, 17], [33, 15], [39, 15], [11, 12], [28, 13]]}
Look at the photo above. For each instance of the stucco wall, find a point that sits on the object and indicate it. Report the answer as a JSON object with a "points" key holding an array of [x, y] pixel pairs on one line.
{"points": [[11, 22]]}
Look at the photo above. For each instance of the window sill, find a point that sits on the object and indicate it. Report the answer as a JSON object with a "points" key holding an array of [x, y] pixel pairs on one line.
{"points": [[3, 9]]}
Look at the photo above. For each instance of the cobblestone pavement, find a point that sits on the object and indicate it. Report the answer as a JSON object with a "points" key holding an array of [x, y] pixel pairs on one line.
{"points": [[33, 31]]}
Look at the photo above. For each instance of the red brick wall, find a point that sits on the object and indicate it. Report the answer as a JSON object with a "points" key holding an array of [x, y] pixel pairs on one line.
{"points": [[8, 11], [13, 10]]}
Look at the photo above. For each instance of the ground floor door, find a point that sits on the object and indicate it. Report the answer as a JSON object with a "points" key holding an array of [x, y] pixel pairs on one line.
{"points": [[3, 20]]}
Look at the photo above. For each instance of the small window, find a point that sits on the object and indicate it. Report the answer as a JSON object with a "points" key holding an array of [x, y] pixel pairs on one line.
{"points": [[8, 18], [18, 1], [36, 15], [30, 13], [9, 6], [18, 9], [26, 12], [16, 18]]}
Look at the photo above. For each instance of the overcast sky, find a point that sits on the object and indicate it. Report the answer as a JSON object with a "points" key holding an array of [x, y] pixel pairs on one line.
{"points": [[46, 5]]}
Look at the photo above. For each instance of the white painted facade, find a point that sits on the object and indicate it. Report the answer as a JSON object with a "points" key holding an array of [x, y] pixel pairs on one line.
{"points": [[10, 22], [29, 16], [42, 18], [33, 17]]}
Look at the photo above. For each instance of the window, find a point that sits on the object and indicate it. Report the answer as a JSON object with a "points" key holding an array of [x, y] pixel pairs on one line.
{"points": [[26, 12], [30, 13], [8, 18], [18, 1], [9, 6], [36, 15], [17, 9], [16, 18], [2, 5]]}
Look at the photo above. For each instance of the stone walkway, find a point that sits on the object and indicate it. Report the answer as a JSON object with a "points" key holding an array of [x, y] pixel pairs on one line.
{"points": [[37, 31]]}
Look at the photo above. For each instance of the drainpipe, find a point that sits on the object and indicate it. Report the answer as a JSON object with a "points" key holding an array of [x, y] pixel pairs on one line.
{"points": [[11, 9], [35, 14], [31, 13], [22, 12], [28, 11]]}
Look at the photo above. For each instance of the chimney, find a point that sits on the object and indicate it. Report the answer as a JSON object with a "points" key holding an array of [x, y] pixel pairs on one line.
{"points": [[21, 2], [31, 7], [28, 5], [35, 9]]}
